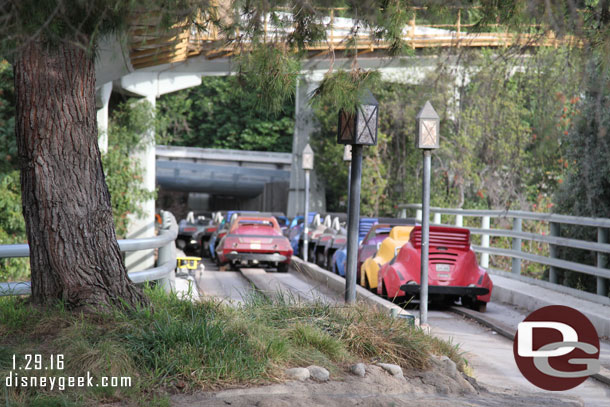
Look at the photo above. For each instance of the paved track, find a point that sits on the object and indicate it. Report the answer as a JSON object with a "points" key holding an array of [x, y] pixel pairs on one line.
{"points": [[227, 285]]}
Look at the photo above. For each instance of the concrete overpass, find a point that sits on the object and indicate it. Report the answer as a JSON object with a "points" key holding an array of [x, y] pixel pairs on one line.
{"points": [[218, 178]]}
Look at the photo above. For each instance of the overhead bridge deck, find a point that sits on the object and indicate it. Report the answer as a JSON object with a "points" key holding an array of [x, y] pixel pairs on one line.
{"points": [[218, 171]]}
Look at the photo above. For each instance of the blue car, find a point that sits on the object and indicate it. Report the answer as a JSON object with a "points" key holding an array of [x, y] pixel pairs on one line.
{"points": [[339, 261], [296, 230]]}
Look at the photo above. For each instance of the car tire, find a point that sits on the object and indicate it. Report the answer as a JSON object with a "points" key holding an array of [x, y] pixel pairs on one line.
{"points": [[283, 267], [366, 282], [480, 306], [321, 259]]}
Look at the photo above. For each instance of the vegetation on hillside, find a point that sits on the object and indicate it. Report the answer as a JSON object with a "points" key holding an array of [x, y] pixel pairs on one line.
{"points": [[503, 134], [183, 346], [221, 114]]}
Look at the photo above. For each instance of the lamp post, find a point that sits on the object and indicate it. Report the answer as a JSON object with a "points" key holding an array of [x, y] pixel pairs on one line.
{"points": [[427, 139], [356, 128], [307, 165]]}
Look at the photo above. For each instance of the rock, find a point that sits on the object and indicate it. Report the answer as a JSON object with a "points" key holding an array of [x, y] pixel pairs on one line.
{"points": [[449, 366], [446, 365], [359, 369], [319, 373], [394, 370], [297, 373]]}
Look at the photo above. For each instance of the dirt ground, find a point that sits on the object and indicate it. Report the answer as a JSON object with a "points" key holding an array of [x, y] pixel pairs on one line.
{"points": [[441, 386]]}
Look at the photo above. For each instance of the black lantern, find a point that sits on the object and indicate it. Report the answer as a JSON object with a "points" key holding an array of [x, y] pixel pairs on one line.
{"points": [[427, 128], [360, 126]]}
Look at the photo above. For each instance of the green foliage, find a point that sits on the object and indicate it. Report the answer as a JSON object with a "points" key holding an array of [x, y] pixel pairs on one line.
{"points": [[493, 133], [586, 190], [503, 140], [390, 169], [342, 90], [393, 17], [12, 227], [8, 143], [270, 73], [221, 114], [130, 124]]}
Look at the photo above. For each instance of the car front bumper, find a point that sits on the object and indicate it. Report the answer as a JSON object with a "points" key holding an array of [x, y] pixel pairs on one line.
{"points": [[414, 289], [256, 257]]}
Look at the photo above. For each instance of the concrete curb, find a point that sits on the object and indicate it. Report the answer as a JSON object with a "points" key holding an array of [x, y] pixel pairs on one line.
{"points": [[337, 284]]}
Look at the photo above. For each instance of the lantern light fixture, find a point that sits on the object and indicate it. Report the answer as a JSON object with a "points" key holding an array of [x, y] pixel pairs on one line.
{"points": [[360, 126], [427, 128], [307, 163]]}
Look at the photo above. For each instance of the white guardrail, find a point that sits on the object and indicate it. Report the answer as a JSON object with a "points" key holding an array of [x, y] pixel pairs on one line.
{"points": [[601, 248], [166, 260]]}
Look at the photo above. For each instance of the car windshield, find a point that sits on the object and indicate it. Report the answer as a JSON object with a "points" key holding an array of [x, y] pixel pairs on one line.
{"points": [[255, 223]]}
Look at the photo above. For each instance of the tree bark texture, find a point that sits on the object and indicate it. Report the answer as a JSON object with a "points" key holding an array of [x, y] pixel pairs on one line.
{"points": [[74, 254]]}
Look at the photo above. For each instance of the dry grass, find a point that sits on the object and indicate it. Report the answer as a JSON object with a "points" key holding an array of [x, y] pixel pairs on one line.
{"points": [[183, 346]]}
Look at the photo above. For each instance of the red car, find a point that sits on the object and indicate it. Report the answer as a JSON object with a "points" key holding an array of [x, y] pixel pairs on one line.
{"points": [[255, 241], [453, 271]]}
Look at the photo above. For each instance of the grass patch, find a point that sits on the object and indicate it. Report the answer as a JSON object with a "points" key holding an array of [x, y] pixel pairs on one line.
{"points": [[184, 346]]}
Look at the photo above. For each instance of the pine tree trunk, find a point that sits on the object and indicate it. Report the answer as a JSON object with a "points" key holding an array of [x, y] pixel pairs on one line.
{"points": [[74, 254]]}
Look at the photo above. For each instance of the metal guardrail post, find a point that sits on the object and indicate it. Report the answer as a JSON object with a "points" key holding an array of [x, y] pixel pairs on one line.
{"points": [[437, 218], [602, 262], [516, 263], [418, 215], [459, 221], [555, 231], [166, 254], [403, 213], [485, 242]]}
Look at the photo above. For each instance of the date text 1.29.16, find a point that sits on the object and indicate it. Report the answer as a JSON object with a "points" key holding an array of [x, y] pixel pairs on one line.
{"points": [[37, 361]]}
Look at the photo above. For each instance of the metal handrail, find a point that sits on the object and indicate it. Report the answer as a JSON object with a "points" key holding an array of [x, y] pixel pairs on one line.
{"points": [[166, 261], [601, 247]]}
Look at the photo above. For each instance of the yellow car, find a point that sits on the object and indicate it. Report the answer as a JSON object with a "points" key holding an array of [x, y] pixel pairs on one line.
{"points": [[399, 235]]}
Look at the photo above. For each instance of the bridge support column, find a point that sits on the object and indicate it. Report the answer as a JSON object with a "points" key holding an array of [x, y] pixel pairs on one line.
{"points": [[150, 85], [102, 98], [144, 226], [305, 124]]}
